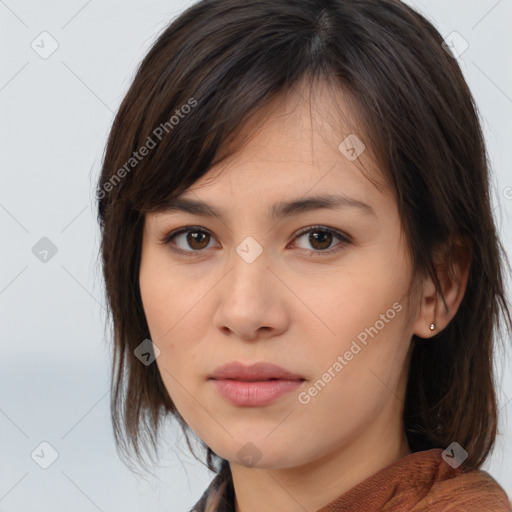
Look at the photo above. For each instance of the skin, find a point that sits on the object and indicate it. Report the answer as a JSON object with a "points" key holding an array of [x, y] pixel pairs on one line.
{"points": [[296, 309]]}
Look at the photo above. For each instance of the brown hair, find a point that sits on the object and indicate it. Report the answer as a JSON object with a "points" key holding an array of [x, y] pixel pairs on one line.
{"points": [[225, 59]]}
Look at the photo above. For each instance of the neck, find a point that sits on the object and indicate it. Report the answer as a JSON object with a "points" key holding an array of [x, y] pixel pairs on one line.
{"points": [[311, 486]]}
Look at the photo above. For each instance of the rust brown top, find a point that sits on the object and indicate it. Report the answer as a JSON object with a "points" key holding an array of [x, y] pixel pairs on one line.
{"points": [[419, 482]]}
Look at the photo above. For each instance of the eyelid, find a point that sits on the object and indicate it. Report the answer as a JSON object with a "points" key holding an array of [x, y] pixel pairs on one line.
{"points": [[320, 227], [344, 238], [166, 238]]}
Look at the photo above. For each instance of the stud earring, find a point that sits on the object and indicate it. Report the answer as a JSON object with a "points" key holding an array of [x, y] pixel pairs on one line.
{"points": [[432, 325]]}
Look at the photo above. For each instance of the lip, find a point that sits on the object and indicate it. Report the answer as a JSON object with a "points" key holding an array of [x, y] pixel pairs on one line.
{"points": [[256, 385], [255, 372]]}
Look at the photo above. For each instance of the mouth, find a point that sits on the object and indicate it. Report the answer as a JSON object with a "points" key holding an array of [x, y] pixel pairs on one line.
{"points": [[257, 385], [256, 380], [259, 372]]}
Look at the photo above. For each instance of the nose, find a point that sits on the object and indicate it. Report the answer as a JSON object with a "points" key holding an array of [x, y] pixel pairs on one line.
{"points": [[252, 300]]}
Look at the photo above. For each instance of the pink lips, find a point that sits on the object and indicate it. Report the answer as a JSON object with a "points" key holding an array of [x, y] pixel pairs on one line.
{"points": [[256, 385]]}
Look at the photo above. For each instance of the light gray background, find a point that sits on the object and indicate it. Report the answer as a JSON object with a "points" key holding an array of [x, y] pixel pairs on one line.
{"points": [[55, 116]]}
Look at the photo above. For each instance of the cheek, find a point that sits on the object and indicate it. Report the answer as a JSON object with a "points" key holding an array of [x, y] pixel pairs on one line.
{"points": [[350, 391], [156, 302], [367, 362], [169, 311], [359, 336], [166, 298], [352, 302]]}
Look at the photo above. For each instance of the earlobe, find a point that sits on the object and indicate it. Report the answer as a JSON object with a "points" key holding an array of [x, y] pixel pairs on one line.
{"points": [[426, 324], [442, 293]]}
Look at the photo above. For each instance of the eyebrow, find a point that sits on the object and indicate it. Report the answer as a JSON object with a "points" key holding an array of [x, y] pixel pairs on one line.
{"points": [[278, 210]]}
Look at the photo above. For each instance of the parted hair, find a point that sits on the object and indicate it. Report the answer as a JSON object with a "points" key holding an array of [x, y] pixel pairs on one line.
{"points": [[226, 59]]}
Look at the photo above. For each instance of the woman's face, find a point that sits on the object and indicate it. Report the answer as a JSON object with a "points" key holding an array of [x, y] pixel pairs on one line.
{"points": [[320, 292]]}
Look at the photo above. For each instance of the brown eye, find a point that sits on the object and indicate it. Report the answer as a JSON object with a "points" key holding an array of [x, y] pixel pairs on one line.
{"points": [[320, 240], [196, 239], [188, 240]]}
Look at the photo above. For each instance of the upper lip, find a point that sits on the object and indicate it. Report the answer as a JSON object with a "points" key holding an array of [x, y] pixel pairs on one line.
{"points": [[255, 372]]}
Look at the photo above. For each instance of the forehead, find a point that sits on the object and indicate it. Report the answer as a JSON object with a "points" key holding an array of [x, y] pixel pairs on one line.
{"points": [[307, 139]]}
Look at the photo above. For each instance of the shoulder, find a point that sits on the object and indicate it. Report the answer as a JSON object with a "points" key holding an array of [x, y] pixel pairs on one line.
{"points": [[460, 491]]}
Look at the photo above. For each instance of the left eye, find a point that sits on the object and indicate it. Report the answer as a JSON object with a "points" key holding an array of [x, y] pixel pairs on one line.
{"points": [[321, 238], [198, 239]]}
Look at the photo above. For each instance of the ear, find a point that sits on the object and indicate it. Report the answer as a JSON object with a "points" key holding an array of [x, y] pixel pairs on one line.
{"points": [[452, 263]]}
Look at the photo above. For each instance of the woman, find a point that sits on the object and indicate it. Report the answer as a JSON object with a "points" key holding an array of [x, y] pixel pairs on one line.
{"points": [[301, 261]]}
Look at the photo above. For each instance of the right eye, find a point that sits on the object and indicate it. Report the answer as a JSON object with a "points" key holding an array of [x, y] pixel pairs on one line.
{"points": [[193, 240]]}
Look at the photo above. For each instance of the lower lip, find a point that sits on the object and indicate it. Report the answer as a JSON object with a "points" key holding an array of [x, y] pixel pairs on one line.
{"points": [[255, 394]]}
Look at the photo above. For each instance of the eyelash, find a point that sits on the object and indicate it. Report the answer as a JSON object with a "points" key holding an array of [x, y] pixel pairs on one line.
{"points": [[344, 240]]}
